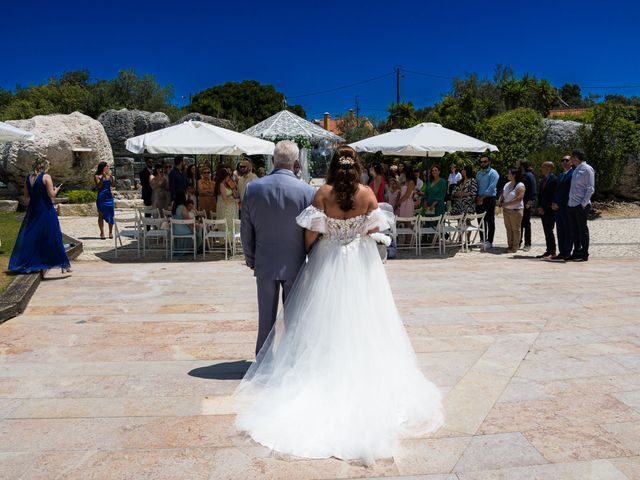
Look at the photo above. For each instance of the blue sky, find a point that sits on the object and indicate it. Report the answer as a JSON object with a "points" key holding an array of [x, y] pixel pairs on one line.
{"points": [[306, 47]]}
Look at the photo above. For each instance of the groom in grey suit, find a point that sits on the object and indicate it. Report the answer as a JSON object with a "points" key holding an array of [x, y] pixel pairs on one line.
{"points": [[272, 241]]}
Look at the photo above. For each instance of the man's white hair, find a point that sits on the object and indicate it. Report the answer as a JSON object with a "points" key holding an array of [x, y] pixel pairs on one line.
{"points": [[285, 154]]}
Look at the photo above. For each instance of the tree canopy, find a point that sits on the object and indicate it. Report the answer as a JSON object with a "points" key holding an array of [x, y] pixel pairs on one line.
{"points": [[75, 91], [244, 103]]}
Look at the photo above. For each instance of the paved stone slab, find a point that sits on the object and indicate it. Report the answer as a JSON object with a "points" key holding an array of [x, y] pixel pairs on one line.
{"points": [[125, 370]]}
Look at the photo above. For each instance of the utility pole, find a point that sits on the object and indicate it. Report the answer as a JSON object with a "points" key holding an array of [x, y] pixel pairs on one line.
{"points": [[398, 85], [357, 111]]}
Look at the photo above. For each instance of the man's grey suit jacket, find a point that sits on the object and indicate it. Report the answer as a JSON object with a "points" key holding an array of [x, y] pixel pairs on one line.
{"points": [[272, 241]]}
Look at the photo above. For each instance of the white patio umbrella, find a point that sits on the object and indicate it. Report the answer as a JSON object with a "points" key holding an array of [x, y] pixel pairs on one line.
{"points": [[9, 133], [198, 138], [423, 140]]}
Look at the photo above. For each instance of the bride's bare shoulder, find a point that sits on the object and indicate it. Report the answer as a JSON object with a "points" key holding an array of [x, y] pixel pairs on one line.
{"points": [[322, 194]]}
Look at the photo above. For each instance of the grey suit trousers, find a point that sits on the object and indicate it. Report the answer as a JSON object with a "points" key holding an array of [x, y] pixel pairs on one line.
{"points": [[268, 293]]}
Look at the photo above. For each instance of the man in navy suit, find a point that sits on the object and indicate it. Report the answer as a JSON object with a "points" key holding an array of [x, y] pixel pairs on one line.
{"points": [[272, 241], [546, 197]]}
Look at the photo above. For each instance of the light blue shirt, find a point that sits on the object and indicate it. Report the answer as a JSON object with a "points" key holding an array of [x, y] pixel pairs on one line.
{"points": [[487, 179], [583, 183]]}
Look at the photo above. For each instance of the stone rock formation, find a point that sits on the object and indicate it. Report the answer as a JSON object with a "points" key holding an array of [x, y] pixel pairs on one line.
{"points": [[628, 186], [74, 144], [559, 132], [218, 122], [123, 124]]}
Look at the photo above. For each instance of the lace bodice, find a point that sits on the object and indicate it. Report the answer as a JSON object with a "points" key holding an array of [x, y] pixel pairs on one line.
{"points": [[344, 230]]}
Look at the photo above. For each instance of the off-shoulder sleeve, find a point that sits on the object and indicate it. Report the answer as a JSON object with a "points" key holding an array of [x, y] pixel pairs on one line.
{"points": [[312, 218], [381, 219]]}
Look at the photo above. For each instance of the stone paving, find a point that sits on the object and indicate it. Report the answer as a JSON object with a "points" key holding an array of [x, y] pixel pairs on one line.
{"points": [[124, 370]]}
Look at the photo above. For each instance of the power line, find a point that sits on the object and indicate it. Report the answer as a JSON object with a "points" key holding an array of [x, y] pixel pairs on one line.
{"points": [[343, 87], [613, 86], [432, 75]]}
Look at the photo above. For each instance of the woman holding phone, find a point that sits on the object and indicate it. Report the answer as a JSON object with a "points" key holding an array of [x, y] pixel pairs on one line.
{"points": [[104, 202], [39, 244]]}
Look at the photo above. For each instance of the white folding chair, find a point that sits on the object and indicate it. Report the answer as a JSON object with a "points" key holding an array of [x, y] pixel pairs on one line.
{"points": [[235, 237], [471, 231], [430, 225], [452, 226], [127, 225], [143, 211], [405, 226], [152, 229], [200, 214], [213, 215], [214, 231], [191, 222], [166, 213]]}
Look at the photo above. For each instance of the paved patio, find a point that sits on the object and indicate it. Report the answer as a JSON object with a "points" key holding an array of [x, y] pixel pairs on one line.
{"points": [[124, 371]]}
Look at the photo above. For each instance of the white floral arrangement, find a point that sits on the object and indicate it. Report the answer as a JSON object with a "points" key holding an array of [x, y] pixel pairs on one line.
{"points": [[381, 238]]}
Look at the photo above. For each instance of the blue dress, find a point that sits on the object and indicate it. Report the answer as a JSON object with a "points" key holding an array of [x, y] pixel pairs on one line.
{"points": [[104, 201], [39, 243]]}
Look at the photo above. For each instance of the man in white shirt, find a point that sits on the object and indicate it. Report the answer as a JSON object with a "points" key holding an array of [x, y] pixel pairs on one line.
{"points": [[579, 205], [245, 170]]}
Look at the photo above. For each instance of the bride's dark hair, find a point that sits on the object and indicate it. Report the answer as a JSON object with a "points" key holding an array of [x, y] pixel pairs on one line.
{"points": [[344, 176]]}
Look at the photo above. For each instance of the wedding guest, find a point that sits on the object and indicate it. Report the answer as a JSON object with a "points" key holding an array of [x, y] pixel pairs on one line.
{"points": [[144, 176], [464, 193], [559, 206], [206, 187], [262, 172], [104, 202], [393, 194], [402, 176], [177, 180], [454, 178], [487, 179], [404, 203], [296, 170], [434, 192], [546, 196], [160, 196], [530, 195], [184, 209], [579, 205], [39, 243], [246, 176], [419, 181], [377, 184], [226, 202], [364, 177], [512, 204], [192, 177]]}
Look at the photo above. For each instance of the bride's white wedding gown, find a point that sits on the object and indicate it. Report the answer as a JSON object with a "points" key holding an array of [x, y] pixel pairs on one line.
{"points": [[337, 375]]}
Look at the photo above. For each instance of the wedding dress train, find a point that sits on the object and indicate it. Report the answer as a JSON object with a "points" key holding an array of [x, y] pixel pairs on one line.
{"points": [[337, 375]]}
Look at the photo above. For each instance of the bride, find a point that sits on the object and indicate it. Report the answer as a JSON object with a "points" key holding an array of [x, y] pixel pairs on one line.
{"points": [[337, 376]]}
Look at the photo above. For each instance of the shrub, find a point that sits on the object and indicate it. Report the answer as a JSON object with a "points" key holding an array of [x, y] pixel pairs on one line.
{"points": [[81, 196], [517, 133], [608, 142]]}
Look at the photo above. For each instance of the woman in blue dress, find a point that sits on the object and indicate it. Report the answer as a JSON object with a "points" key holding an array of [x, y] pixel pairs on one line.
{"points": [[104, 201], [39, 243]]}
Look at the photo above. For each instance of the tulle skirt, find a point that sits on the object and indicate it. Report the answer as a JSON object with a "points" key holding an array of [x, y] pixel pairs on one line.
{"points": [[337, 375]]}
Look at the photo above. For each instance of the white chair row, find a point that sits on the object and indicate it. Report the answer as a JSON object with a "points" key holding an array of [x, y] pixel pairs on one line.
{"points": [[444, 230]]}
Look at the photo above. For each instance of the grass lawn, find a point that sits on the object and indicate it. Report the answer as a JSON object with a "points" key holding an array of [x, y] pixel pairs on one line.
{"points": [[9, 226]]}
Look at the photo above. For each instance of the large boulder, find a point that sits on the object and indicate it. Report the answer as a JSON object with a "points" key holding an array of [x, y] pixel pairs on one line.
{"points": [[218, 122], [559, 133], [123, 124], [628, 186], [74, 144]]}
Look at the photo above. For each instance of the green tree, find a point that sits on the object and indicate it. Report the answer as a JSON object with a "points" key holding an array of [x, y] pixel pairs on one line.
{"points": [[245, 103], [401, 115], [517, 133], [608, 142], [571, 94]]}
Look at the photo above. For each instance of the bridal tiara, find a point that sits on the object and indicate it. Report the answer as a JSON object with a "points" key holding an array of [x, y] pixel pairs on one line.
{"points": [[346, 161]]}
